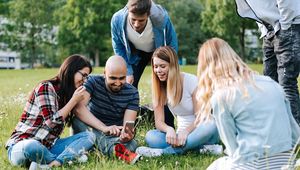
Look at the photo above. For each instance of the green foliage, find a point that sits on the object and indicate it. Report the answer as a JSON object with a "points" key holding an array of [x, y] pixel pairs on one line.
{"points": [[186, 18], [220, 19], [187, 24], [46, 31], [85, 27], [29, 26]]}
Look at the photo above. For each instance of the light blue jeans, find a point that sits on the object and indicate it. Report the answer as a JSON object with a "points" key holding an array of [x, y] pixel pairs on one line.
{"points": [[31, 150], [104, 143], [205, 133]]}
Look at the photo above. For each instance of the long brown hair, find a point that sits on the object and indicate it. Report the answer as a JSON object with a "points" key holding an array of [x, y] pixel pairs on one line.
{"points": [[66, 74], [170, 90]]}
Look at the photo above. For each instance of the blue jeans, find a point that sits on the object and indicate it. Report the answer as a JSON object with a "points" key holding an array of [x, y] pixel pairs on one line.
{"points": [[282, 63], [205, 133], [31, 150], [104, 143]]}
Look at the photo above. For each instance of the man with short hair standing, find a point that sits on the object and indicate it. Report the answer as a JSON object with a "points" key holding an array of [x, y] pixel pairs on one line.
{"points": [[108, 103], [137, 30]]}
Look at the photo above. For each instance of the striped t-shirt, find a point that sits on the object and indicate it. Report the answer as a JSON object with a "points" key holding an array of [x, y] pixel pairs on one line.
{"points": [[107, 106]]}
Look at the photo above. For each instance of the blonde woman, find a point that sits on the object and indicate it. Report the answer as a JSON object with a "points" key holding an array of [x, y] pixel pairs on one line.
{"points": [[177, 89], [253, 116]]}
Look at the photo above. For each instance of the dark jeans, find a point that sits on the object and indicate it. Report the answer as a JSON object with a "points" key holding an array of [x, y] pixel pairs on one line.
{"points": [[282, 63], [140, 67]]}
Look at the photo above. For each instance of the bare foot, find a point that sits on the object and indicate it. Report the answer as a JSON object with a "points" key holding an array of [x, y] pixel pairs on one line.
{"points": [[54, 163]]}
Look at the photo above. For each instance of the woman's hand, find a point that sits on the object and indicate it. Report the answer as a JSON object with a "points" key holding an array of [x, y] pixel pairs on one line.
{"points": [[171, 136], [181, 138], [78, 94]]}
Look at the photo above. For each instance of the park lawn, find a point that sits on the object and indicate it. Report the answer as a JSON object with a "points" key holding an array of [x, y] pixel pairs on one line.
{"points": [[15, 86]]}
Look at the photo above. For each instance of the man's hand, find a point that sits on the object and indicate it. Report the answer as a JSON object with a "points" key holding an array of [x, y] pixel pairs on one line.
{"points": [[127, 135], [113, 130], [130, 79]]}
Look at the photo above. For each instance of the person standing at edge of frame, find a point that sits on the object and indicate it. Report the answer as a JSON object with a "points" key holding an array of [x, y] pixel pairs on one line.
{"points": [[279, 23]]}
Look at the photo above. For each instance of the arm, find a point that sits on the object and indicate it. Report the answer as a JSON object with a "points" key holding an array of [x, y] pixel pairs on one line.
{"points": [[286, 13], [171, 36], [182, 135], [130, 115], [160, 124], [226, 126], [117, 42], [83, 113], [46, 99]]}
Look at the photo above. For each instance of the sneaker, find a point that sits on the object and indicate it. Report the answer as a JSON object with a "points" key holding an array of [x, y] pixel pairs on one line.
{"points": [[212, 149], [36, 166], [83, 158], [125, 154], [149, 152]]}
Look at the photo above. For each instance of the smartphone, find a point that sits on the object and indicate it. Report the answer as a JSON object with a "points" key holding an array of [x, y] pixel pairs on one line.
{"points": [[129, 125]]}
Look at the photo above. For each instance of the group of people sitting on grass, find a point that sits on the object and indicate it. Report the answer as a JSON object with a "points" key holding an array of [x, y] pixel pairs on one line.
{"points": [[226, 100]]}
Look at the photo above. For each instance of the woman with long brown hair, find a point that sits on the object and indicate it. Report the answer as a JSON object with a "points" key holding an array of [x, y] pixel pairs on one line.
{"points": [[49, 107], [177, 90]]}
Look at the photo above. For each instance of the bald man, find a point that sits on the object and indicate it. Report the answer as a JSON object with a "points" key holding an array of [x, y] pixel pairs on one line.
{"points": [[108, 103]]}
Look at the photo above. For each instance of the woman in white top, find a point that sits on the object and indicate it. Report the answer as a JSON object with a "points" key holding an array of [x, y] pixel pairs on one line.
{"points": [[177, 90]]}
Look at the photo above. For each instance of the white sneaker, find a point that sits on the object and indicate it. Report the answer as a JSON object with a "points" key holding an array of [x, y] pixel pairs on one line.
{"points": [[83, 158], [213, 149], [149, 152], [36, 166]]}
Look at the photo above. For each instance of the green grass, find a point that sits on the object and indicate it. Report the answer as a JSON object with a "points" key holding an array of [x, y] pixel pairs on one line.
{"points": [[15, 86]]}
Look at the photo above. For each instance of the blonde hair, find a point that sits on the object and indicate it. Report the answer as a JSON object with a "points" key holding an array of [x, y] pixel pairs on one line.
{"points": [[219, 67], [171, 90]]}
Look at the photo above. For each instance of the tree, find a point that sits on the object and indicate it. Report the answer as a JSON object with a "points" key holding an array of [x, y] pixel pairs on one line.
{"points": [[30, 26], [185, 16], [85, 27], [221, 19]]}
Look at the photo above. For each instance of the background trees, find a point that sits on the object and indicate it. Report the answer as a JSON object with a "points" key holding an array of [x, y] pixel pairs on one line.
{"points": [[46, 32]]}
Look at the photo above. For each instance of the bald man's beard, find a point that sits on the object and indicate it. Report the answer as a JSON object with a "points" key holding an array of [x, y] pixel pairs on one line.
{"points": [[115, 89]]}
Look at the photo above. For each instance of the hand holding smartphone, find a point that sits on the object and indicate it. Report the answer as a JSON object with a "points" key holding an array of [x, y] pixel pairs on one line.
{"points": [[129, 127]]}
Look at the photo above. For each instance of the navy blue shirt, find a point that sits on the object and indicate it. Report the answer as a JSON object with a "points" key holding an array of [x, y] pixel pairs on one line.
{"points": [[107, 106]]}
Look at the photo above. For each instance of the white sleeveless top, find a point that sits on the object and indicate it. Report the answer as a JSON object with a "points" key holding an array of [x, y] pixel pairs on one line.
{"points": [[184, 111], [143, 41]]}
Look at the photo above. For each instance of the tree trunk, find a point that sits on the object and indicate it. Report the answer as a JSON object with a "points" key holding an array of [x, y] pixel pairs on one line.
{"points": [[242, 41], [33, 49], [97, 59]]}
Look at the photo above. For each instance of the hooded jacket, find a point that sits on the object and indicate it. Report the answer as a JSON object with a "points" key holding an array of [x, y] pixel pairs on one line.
{"points": [[164, 33]]}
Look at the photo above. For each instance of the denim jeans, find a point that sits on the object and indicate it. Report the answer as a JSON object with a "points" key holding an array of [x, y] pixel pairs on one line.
{"points": [[104, 143], [31, 150], [282, 63], [140, 67], [205, 133]]}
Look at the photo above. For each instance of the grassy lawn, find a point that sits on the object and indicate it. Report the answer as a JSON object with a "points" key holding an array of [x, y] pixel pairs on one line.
{"points": [[17, 84]]}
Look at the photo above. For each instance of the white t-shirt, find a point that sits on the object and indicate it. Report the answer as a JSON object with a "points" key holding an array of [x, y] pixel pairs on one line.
{"points": [[184, 111], [143, 41]]}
